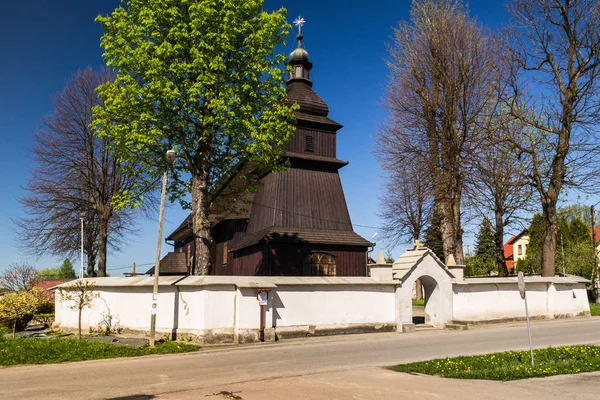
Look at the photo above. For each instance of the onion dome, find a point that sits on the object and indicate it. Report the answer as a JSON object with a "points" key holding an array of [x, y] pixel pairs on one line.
{"points": [[299, 53]]}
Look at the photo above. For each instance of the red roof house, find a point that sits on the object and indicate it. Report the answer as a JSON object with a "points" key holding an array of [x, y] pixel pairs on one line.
{"points": [[50, 284]]}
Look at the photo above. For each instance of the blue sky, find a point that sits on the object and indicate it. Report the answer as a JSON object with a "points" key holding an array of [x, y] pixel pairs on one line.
{"points": [[45, 41]]}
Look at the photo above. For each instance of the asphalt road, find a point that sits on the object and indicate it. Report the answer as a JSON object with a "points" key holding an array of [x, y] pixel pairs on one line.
{"points": [[301, 368]]}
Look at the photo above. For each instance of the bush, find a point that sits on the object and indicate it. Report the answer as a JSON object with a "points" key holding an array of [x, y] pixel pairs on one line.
{"points": [[4, 330], [46, 319], [18, 308]]}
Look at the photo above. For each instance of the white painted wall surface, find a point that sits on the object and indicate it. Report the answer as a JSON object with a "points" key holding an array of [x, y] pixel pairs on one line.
{"points": [[335, 304], [131, 308], [198, 308], [493, 301], [567, 300]]}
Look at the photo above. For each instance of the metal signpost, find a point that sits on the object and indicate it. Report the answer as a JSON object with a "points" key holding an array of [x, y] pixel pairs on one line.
{"points": [[262, 296], [521, 282]]}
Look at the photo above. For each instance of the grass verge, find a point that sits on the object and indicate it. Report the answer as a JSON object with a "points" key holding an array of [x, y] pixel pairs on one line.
{"points": [[595, 309], [512, 365], [50, 351], [418, 303]]}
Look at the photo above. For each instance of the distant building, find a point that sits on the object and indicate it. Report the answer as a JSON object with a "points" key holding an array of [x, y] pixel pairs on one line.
{"points": [[516, 249], [50, 284]]}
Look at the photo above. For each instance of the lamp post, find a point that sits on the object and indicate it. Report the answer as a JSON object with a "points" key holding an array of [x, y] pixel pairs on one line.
{"points": [[170, 159], [596, 280], [82, 216]]}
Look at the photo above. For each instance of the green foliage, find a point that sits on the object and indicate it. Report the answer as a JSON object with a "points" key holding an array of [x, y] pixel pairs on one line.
{"points": [[532, 263], [200, 77], [44, 318], [433, 235], [512, 365], [65, 270], [483, 262], [484, 241], [581, 211], [50, 351], [595, 309], [18, 308], [573, 236]]}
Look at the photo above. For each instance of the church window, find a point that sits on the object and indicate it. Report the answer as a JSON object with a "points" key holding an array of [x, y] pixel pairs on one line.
{"points": [[319, 264], [310, 147]]}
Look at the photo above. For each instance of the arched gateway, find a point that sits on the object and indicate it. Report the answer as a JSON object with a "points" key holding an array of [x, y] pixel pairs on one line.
{"points": [[421, 263]]}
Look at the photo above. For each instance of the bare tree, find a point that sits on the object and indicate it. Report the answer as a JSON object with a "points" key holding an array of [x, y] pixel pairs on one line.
{"points": [[557, 48], [19, 277], [498, 185], [407, 204], [76, 172], [441, 68]]}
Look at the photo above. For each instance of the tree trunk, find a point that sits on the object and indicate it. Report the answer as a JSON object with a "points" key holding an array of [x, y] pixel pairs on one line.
{"points": [[451, 233], [89, 249], [549, 238], [200, 223], [91, 262], [102, 244], [79, 324], [419, 290], [14, 328], [499, 244]]}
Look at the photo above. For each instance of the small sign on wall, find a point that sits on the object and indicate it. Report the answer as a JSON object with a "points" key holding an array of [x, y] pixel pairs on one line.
{"points": [[262, 297]]}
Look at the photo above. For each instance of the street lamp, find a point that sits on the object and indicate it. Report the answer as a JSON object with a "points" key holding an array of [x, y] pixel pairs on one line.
{"points": [[596, 276], [82, 216], [170, 158]]}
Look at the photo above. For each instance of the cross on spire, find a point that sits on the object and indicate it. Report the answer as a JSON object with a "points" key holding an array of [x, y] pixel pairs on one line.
{"points": [[299, 22]]}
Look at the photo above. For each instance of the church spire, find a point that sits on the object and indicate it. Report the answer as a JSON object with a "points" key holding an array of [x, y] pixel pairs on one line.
{"points": [[300, 66]]}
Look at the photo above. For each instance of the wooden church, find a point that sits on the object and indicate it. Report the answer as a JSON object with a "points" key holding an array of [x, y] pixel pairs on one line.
{"points": [[297, 222]]}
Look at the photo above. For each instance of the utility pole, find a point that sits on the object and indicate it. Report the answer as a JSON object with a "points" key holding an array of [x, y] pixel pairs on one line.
{"points": [[596, 276], [170, 159], [133, 269], [562, 244], [82, 216]]}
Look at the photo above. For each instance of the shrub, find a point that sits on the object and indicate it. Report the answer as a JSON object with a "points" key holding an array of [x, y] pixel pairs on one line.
{"points": [[18, 308]]}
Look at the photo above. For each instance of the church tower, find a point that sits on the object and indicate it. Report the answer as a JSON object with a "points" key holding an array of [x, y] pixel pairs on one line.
{"points": [[299, 222]]}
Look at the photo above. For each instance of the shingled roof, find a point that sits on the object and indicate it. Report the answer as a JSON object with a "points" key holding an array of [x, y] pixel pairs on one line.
{"points": [[172, 264], [295, 235]]}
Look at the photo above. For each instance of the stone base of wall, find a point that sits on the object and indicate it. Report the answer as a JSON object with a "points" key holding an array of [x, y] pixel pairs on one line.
{"points": [[227, 335], [470, 323], [289, 332]]}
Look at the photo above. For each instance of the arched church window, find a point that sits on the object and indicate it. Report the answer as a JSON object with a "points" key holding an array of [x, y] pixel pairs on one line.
{"points": [[319, 264]]}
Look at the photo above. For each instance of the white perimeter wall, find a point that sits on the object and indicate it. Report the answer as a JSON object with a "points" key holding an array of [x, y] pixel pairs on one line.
{"points": [[227, 305], [197, 309], [495, 301]]}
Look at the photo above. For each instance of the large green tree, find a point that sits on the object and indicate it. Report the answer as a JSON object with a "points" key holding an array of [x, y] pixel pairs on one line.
{"points": [[201, 77]]}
